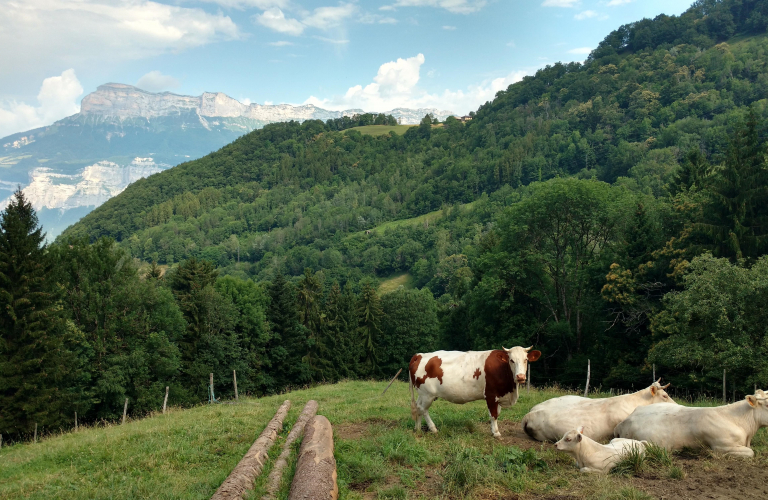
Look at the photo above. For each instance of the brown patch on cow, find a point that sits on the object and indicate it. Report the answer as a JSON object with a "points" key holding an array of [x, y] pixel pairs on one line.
{"points": [[499, 380], [477, 373], [412, 367], [432, 370]]}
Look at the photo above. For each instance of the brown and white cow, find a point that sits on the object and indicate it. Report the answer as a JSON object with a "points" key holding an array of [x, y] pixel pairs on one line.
{"points": [[461, 377]]}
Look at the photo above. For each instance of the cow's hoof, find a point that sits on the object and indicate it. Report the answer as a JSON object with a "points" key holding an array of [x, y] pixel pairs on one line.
{"points": [[497, 435], [433, 431]]}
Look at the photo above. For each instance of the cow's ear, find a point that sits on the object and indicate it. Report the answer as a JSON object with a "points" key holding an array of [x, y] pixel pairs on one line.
{"points": [[579, 438], [533, 355], [580, 429], [653, 390], [752, 401]]}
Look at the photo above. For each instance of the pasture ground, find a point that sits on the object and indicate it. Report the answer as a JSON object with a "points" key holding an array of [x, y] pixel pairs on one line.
{"points": [[382, 129], [188, 453]]}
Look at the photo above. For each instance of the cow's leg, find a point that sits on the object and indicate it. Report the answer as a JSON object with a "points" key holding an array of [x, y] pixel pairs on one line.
{"points": [[422, 407], [735, 451], [493, 411]]}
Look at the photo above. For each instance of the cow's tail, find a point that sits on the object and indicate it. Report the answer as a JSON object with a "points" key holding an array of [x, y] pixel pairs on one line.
{"points": [[414, 412]]}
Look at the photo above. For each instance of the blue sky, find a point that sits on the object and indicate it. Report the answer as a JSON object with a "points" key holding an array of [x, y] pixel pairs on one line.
{"points": [[372, 54]]}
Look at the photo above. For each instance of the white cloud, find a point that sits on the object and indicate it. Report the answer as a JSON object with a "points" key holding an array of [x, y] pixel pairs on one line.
{"points": [[337, 41], [580, 50], [614, 3], [369, 18], [396, 85], [455, 6], [242, 4], [449, 28], [36, 34], [274, 19], [154, 81], [57, 99], [589, 14], [281, 43], [329, 17], [560, 3]]}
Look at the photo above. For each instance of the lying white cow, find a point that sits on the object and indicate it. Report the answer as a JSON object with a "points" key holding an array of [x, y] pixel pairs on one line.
{"points": [[549, 420], [592, 456], [461, 377], [726, 429]]}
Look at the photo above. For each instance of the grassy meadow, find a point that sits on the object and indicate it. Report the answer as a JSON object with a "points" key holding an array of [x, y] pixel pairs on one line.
{"points": [[382, 129], [188, 453]]}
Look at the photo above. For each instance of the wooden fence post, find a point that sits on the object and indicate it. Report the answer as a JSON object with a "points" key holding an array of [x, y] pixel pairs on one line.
{"points": [[393, 380], [734, 391], [724, 399], [654, 372], [165, 401], [528, 380], [234, 377], [35, 433], [211, 397], [1, 441], [586, 387], [125, 409], [75, 421]]}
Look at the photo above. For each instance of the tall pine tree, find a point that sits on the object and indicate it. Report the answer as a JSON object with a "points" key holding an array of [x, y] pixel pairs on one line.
{"points": [[369, 313], [289, 340], [33, 357]]}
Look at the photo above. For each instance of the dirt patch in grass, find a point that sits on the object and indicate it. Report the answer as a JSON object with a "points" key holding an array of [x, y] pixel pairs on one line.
{"points": [[351, 431], [431, 485], [721, 479], [512, 434]]}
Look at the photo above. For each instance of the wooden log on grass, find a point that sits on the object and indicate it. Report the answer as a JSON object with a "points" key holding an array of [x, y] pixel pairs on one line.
{"points": [[242, 477], [273, 481], [316, 469], [392, 381]]}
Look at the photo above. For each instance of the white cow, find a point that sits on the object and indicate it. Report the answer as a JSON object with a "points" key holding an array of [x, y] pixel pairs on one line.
{"points": [[461, 377], [726, 429], [549, 420], [592, 456]]}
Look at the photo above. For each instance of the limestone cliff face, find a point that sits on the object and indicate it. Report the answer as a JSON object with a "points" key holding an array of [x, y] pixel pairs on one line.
{"points": [[125, 101], [90, 187]]}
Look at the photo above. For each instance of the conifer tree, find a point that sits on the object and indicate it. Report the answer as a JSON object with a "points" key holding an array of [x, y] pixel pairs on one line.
{"points": [[33, 357], [369, 313], [737, 220], [309, 296], [289, 340]]}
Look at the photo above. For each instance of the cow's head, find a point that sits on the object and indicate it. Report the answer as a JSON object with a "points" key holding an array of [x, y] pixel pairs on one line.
{"points": [[518, 361], [658, 394], [759, 402], [571, 441]]}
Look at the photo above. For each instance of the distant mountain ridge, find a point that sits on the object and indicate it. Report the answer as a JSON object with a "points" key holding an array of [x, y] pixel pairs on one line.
{"points": [[123, 133], [126, 101]]}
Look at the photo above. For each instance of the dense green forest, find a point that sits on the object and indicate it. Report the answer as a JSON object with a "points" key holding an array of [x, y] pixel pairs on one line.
{"points": [[615, 211]]}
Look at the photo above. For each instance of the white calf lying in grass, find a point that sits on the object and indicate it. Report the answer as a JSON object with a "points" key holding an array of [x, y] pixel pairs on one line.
{"points": [[592, 456]]}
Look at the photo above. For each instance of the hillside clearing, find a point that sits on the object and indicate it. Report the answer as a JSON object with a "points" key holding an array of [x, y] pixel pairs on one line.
{"points": [[381, 129], [187, 454], [394, 282]]}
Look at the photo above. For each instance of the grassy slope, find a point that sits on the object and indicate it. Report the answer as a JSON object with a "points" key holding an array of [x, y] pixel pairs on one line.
{"points": [[382, 129], [394, 282], [187, 454]]}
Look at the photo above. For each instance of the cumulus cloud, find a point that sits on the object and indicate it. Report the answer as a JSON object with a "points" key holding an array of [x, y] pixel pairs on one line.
{"points": [[242, 4], [449, 28], [614, 3], [580, 50], [589, 14], [281, 43], [275, 20], [57, 99], [77, 31], [455, 6], [560, 3], [396, 85], [329, 17], [154, 81]]}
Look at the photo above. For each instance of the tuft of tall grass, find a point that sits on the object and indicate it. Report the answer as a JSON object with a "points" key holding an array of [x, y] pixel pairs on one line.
{"points": [[632, 462]]}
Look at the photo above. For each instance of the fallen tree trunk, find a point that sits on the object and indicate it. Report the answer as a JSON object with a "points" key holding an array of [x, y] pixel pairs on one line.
{"points": [[273, 481], [242, 477], [316, 469]]}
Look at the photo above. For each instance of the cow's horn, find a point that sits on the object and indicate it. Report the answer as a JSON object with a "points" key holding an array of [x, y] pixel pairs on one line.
{"points": [[504, 348], [665, 386], [528, 348], [659, 381]]}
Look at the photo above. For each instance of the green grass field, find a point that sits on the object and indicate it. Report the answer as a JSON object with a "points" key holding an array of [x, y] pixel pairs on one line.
{"points": [[394, 282], [381, 129], [188, 453]]}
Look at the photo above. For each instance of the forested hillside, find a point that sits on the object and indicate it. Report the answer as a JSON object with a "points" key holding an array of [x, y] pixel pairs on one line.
{"points": [[615, 211]]}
